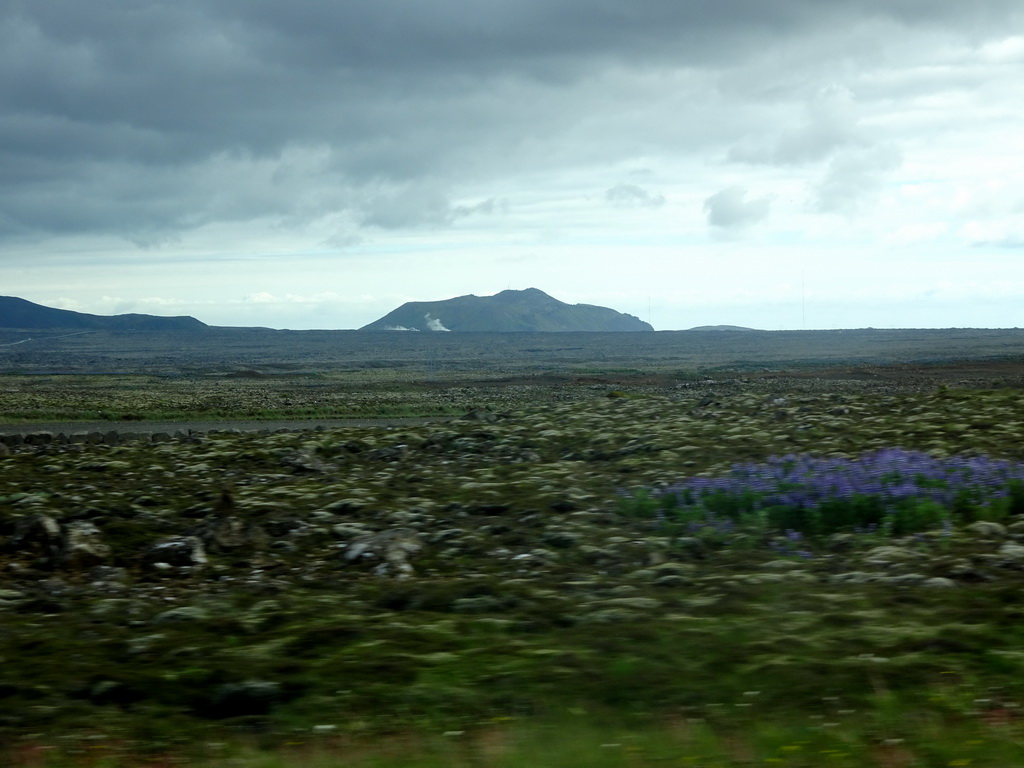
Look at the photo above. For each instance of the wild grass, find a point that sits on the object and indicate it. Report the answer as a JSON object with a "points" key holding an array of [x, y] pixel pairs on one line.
{"points": [[744, 651], [732, 735]]}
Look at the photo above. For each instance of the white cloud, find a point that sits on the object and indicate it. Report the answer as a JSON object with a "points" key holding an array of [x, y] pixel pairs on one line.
{"points": [[261, 298], [731, 209], [1007, 50], [625, 195], [1000, 233], [830, 122], [853, 178], [921, 232]]}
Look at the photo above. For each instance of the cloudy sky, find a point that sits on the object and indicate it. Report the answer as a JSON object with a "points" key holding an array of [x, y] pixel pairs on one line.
{"points": [[780, 164]]}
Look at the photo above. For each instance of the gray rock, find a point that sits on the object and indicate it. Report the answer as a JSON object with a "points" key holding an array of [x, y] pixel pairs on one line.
{"points": [[905, 579], [560, 539], [345, 506], [37, 535], [83, 546], [855, 577], [394, 547], [671, 581], [966, 570], [889, 555], [389, 453], [306, 461], [987, 530], [220, 534], [176, 551], [351, 530], [182, 614], [39, 438], [105, 573], [939, 582], [145, 643], [623, 590], [483, 604], [10, 598], [610, 616], [447, 535], [632, 603], [1011, 552]]}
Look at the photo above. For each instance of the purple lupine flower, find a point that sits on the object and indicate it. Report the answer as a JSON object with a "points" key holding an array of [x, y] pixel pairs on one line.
{"points": [[879, 484]]}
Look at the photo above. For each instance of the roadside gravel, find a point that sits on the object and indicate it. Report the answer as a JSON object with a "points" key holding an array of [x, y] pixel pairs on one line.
{"points": [[70, 427]]}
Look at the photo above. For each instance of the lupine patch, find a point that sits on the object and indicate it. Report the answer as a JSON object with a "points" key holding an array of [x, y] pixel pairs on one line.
{"points": [[892, 490]]}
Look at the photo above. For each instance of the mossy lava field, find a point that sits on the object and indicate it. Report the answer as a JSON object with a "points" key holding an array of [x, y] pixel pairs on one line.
{"points": [[624, 544]]}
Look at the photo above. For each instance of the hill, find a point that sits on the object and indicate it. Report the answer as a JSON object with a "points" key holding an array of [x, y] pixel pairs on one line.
{"points": [[23, 314], [722, 328], [525, 311]]}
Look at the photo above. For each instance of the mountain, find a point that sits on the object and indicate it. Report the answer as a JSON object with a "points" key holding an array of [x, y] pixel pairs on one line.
{"points": [[526, 311], [721, 328], [22, 314]]}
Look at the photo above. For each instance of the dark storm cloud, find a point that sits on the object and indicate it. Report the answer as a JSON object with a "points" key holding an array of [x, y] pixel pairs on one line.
{"points": [[144, 120]]}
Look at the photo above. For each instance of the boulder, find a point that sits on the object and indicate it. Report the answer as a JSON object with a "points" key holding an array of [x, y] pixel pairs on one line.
{"points": [[176, 551], [1011, 553], [987, 530], [393, 547], [222, 534], [83, 547], [182, 614], [39, 438], [37, 535], [939, 582]]}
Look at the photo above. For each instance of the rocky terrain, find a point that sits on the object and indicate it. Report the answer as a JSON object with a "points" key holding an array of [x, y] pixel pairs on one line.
{"points": [[294, 536], [499, 564]]}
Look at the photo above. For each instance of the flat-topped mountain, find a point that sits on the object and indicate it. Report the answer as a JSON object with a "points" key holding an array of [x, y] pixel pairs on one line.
{"points": [[721, 328], [23, 314], [526, 311]]}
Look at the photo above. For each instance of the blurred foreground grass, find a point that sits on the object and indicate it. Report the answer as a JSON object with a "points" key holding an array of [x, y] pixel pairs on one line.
{"points": [[728, 736]]}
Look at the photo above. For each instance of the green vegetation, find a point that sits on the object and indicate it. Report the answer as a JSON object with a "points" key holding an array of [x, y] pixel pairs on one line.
{"points": [[528, 586], [133, 398], [834, 736]]}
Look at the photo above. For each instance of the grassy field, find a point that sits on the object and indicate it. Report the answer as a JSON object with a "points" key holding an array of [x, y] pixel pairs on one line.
{"points": [[576, 573]]}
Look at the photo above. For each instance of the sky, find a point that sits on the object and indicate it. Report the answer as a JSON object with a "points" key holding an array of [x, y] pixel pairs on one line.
{"points": [[777, 164]]}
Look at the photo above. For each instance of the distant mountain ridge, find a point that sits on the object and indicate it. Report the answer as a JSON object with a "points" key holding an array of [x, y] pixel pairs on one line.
{"points": [[527, 311], [24, 314], [722, 328]]}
